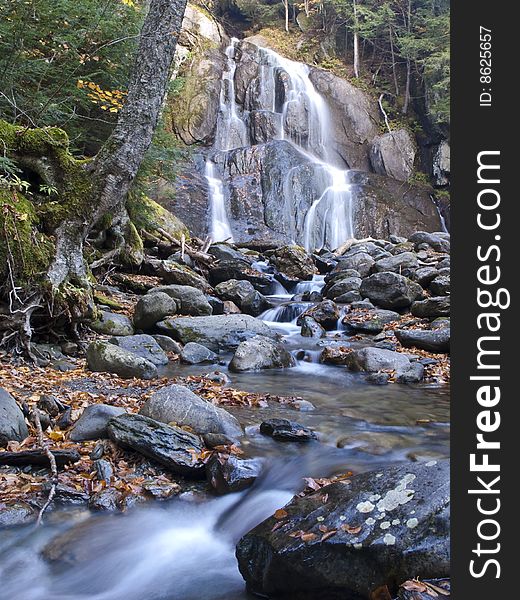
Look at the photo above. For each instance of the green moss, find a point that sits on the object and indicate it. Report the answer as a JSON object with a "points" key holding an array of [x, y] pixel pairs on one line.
{"points": [[26, 250], [148, 215], [105, 301]]}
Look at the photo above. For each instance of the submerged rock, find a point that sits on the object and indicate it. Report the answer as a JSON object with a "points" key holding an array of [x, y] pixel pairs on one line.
{"points": [[109, 358], [177, 404], [228, 474], [170, 446], [284, 430], [373, 530], [92, 424], [12, 422], [218, 332], [260, 352]]}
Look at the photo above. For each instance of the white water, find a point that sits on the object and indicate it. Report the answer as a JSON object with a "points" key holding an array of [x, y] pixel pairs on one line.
{"points": [[304, 121]]}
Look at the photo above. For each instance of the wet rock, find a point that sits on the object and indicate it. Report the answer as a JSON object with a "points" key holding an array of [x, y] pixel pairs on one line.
{"points": [[153, 308], [228, 474], [244, 295], [362, 304], [311, 328], [51, 405], [110, 323], [390, 290], [334, 355], [170, 446], [261, 353], [218, 332], [67, 495], [438, 241], [92, 424], [195, 354], [326, 313], [385, 526], [413, 374], [284, 430], [393, 154], [109, 358], [293, 261], [217, 377], [418, 590], [348, 298], [436, 306], [161, 490], [433, 341], [378, 378], [177, 404], [213, 440], [441, 286], [12, 422], [106, 500], [104, 471], [14, 513], [190, 300], [144, 346], [167, 344], [372, 322], [397, 263]]}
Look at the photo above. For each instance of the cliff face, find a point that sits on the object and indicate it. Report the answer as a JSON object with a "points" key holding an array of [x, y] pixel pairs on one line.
{"points": [[277, 134]]}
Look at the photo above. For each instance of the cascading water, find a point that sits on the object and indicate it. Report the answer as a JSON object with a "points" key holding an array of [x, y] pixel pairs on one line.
{"points": [[301, 117], [220, 229]]}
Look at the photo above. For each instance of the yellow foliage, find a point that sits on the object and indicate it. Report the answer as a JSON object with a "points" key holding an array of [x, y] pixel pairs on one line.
{"points": [[105, 99]]}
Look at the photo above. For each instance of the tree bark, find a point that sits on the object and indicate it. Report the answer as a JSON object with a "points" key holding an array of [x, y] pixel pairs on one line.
{"points": [[356, 41], [115, 167]]}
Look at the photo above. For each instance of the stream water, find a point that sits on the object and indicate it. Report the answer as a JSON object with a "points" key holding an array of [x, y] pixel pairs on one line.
{"points": [[184, 550]]}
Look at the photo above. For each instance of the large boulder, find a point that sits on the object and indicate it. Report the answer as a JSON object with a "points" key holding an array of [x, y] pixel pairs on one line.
{"points": [[195, 354], [293, 261], [244, 295], [436, 306], [374, 360], [439, 241], [170, 446], [12, 423], [397, 263], [390, 290], [393, 154], [361, 262], [177, 404], [172, 272], [190, 300], [437, 340], [349, 538], [260, 352], [105, 357], [93, 421], [153, 308], [144, 346], [218, 332], [228, 474], [110, 323], [325, 313]]}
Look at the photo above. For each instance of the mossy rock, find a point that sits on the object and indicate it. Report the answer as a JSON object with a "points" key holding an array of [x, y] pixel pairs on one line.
{"points": [[147, 214]]}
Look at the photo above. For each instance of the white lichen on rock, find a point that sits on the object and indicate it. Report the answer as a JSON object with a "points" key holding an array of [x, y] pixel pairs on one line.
{"points": [[412, 523], [398, 496], [365, 507], [389, 539]]}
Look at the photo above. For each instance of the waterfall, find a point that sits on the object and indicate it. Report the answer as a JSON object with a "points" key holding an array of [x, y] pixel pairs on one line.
{"points": [[283, 90]]}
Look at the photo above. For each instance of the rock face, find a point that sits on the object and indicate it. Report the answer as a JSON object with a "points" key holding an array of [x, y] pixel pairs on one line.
{"points": [[109, 358], [260, 352], [390, 290], [441, 164], [393, 154], [153, 308], [92, 424], [144, 346], [170, 446], [218, 332], [372, 531], [177, 404], [12, 423]]}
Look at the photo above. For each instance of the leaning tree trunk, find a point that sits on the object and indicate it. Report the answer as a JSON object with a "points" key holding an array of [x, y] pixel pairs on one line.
{"points": [[117, 163]]}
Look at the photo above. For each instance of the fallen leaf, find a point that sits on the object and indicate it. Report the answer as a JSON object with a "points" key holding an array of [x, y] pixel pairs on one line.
{"points": [[280, 514]]}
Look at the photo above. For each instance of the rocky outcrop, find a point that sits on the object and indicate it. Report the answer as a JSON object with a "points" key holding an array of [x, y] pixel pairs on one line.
{"points": [[441, 164], [350, 538], [393, 154]]}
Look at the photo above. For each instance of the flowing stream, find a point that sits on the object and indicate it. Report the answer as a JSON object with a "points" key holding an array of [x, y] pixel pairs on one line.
{"points": [[302, 119]]}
